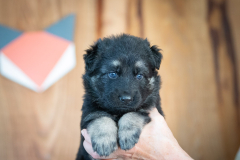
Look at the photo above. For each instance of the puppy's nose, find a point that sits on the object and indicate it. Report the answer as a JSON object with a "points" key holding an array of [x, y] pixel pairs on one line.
{"points": [[125, 98]]}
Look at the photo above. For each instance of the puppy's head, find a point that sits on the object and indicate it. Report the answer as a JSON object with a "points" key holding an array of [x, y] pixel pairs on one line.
{"points": [[121, 73]]}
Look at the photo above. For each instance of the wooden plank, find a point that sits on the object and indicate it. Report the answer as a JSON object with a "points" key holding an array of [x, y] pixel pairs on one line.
{"points": [[205, 126], [135, 18], [113, 17], [44, 125], [226, 75], [84, 36], [233, 13]]}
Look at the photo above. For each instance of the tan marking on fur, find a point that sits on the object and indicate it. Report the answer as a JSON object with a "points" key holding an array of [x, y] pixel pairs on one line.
{"points": [[139, 64], [116, 63], [151, 82]]}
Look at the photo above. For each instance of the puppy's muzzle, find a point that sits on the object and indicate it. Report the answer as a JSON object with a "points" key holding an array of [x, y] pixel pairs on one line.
{"points": [[126, 99]]}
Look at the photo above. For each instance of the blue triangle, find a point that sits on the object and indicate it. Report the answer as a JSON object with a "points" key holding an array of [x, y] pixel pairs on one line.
{"points": [[63, 28], [7, 35]]}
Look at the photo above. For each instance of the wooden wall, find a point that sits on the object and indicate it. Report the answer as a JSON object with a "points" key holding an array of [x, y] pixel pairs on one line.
{"points": [[200, 71]]}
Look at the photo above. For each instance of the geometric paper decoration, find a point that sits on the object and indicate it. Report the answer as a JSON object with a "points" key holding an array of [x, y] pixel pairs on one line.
{"points": [[63, 28], [38, 59], [7, 35]]}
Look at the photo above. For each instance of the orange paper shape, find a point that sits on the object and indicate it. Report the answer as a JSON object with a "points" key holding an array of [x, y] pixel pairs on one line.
{"points": [[36, 52]]}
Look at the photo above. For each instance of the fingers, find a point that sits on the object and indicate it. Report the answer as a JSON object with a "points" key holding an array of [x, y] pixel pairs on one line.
{"points": [[154, 112], [88, 147], [86, 136], [155, 115]]}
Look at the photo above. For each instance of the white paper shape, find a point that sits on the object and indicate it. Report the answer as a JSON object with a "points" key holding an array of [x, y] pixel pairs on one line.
{"points": [[9, 70], [65, 64]]}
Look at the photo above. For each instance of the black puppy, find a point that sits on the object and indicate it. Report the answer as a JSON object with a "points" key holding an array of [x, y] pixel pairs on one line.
{"points": [[122, 85]]}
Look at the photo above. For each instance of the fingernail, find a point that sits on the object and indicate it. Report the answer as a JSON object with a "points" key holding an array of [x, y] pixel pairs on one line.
{"points": [[83, 133]]}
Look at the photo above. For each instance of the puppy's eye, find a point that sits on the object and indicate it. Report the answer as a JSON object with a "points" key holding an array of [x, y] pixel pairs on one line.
{"points": [[112, 75], [139, 76]]}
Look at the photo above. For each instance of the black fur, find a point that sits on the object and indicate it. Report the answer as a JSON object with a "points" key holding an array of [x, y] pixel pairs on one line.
{"points": [[124, 95]]}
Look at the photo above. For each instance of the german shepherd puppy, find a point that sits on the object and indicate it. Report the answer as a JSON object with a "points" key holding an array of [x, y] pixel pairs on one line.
{"points": [[121, 87]]}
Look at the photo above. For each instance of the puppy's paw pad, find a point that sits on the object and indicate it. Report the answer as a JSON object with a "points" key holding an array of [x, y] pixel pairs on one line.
{"points": [[104, 146], [128, 138]]}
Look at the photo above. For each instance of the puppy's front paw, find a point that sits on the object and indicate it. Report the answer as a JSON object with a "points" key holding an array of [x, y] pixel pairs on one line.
{"points": [[104, 145], [103, 133], [130, 127], [128, 137]]}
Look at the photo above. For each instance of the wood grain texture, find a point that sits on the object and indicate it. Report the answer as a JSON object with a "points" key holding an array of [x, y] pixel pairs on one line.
{"points": [[225, 65], [204, 123], [200, 74], [233, 12], [43, 126]]}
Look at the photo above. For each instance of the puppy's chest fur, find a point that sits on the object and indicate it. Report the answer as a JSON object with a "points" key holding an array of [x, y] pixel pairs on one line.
{"points": [[122, 85]]}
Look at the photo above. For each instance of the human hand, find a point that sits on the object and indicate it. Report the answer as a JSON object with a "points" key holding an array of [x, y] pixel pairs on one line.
{"points": [[156, 142]]}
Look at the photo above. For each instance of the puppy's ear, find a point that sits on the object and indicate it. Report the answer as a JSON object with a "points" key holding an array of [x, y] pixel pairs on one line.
{"points": [[157, 56], [91, 56]]}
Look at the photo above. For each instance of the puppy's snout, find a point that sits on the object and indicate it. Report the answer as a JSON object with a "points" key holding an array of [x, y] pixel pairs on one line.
{"points": [[125, 99]]}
